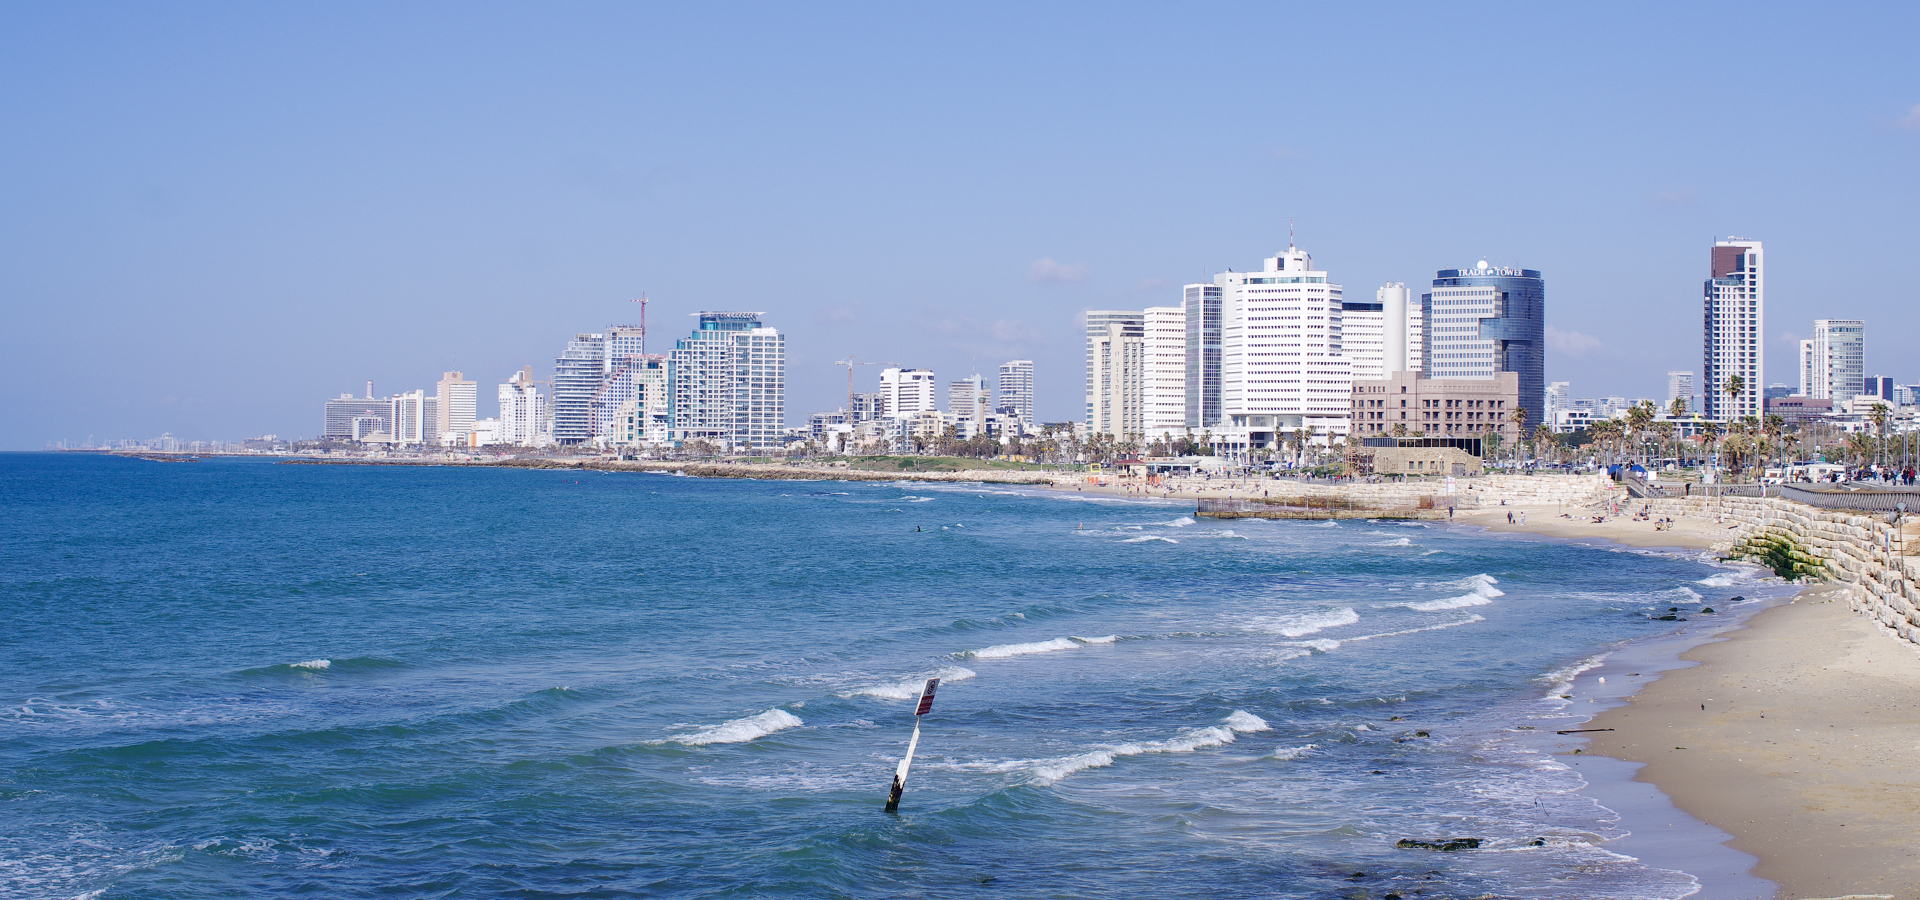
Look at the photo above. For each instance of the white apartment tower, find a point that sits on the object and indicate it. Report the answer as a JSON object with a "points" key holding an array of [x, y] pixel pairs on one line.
{"points": [[1163, 395], [1838, 363], [729, 382], [970, 403], [1363, 337], [1735, 329], [522, 419], [456, 411], [1680, 387], [908, 392], [1281, 351], [1016, 389], [1116, 350]]}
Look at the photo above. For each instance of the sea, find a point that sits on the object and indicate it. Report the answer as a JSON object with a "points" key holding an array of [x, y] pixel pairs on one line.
{"points": [[234, 677]]}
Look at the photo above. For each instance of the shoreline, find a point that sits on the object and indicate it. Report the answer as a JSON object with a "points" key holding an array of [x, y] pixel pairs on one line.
{"points": [[1798, 760]]}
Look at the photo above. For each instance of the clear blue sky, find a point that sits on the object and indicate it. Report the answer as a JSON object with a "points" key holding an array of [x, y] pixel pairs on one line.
{"points": [[212, 217]]}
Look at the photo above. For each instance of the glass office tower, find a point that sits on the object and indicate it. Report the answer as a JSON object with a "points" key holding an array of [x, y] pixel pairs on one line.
{"points": [[1486, 320]]}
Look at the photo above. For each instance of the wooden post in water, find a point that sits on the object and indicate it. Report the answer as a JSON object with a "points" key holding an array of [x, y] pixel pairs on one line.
{"points": [[900, 774]]}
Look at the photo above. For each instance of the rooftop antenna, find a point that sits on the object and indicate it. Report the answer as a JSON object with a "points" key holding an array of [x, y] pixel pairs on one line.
{"points": [[1289, 233]]}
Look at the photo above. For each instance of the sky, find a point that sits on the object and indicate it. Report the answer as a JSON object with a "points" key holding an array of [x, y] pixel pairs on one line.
{"points": [[215, 216]]}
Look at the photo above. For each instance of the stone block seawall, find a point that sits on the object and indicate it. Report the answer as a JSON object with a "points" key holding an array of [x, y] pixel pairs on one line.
{"points": [[1856, 549]]}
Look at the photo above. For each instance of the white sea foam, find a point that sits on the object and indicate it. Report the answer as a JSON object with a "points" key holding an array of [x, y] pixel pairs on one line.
{"points": [[1291, 753], [1149, 537], [1396, 542], [1469, 620], [1097, 640], [315, 664], [1717, 581], [1048, 771], [1560, 680], [910, 688], [1303, 624], [1482, 593], [1002, 651], [739, 730], [1181, 522], [1323, 645]]}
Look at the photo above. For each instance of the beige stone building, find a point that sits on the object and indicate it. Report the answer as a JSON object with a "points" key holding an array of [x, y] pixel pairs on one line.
{"points": [[1425, 461], [1437, 407]]}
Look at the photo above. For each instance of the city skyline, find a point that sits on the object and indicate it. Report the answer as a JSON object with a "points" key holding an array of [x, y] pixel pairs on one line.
{"points": [[248, 209]]}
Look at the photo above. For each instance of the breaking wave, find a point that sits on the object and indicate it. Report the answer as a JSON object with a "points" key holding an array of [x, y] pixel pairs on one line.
{"points": [[910, 688], [1048, 771], [740, 730]]}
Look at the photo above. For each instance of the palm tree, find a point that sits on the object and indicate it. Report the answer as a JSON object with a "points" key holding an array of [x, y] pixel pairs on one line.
{"points": [[1735, 387], [1878, 416], [1677, 408], [1519, 417]]}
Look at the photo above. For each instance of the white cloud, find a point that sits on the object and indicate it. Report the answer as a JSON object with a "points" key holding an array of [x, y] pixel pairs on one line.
{"points": [[1911, 121], [1571, 343], [1682, 196], [1046, 271]]}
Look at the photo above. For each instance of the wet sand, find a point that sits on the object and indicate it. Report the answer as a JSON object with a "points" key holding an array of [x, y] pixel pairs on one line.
{"points": [[1798, 735]]}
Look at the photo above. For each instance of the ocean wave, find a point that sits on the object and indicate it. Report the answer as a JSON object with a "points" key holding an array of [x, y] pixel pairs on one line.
{"points": [[1396, 542], [1181, 522], [1469, 620], [1149, 537], [1048, 771], [910, 688], [1723, 580], [314, 664], [1108, 639], [1324, 645], [1561, 679], [1002, 651], [1303, 624], [739, 730], [1481, 592], [1287, 754]]}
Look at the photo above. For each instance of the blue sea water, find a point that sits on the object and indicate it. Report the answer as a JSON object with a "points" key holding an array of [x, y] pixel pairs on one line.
{"points": [[234, 678]]}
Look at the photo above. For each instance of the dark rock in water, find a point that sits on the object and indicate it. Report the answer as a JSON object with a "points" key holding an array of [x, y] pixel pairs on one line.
{"points": [[1673, 609], [1447, 846], [1538, 842], [1666, 618], [1735, 599], [1393, 897], [1705, 611]]}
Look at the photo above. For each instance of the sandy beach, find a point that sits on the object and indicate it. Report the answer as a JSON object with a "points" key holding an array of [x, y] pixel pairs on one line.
{"points": [[1795, 735]]}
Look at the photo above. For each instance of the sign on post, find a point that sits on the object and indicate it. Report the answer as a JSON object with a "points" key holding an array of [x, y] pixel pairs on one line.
{"points": [[900, 774]]}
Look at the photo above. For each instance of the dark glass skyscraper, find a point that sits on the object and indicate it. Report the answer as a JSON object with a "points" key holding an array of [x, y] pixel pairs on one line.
{"points": [[1489, 319], [1203, 302]]}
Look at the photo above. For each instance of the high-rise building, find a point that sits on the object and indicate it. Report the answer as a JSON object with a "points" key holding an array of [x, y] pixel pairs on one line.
{"points": [[1164, 393], [459, 400], [908, 392], [1680, 387], [1838, 364], [1116, 356], [410, 422], [1281, 361], [521, 416], [1778, 390], [1016, 389], [1734, 329], [1485, 320], [576, 378], [970, 403], [350, 418], [1879, 386], [1204, 304], [1116, 350], [626, 362], [1807, 378], [1363, 336], [729, 381]]}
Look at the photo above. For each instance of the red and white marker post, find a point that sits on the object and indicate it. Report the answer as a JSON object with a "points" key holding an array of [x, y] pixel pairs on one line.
{"points": [[900, 774]]}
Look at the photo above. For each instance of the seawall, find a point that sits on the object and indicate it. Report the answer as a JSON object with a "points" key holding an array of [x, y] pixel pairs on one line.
{"points": [[1856, 550]]}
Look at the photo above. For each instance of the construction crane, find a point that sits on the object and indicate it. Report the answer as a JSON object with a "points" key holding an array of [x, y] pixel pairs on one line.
{"points": [[849, 362], [642, 300]]}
